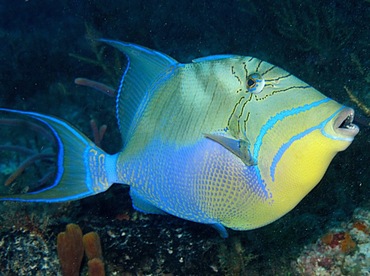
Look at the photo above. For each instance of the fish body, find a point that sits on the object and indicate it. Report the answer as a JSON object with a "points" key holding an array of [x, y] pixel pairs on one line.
{"points": [[230, 141]]}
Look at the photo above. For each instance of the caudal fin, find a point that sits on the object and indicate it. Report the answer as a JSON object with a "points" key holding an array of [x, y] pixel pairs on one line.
{"points": [[83, 169]]}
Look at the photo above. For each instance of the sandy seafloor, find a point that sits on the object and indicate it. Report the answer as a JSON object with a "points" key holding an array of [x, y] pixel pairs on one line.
{"points": [[46, 45]]}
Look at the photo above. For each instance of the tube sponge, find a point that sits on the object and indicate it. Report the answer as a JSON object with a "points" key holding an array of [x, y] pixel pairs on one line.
{"points": [[91, 243], [70, 250], [96, 267]]}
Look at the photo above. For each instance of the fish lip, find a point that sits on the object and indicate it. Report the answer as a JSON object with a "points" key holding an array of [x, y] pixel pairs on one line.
{"points": [[344, 125]]}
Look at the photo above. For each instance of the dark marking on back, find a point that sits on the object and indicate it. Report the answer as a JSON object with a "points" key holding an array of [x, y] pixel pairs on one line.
{"points": [[234, 109], [259, 65], [241, 112], [291, 87], [234, 74], [245, 69], [279, 91], [268, 70], [279, 78], [245, 120]]}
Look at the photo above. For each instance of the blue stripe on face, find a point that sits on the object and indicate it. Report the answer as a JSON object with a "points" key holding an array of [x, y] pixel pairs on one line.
{"points": [[285, 146], [279, 117], [349, 139]]}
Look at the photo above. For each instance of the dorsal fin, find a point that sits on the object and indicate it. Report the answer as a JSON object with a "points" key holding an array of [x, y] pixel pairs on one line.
{"points": [[144, 66], [214, 57]]}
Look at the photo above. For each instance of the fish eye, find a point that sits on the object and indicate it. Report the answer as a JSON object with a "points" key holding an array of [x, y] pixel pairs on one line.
{"points": [[255, 83]]}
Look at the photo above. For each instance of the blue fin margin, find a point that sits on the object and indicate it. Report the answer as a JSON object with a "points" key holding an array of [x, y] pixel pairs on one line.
{"points": [[144, 68], [83, 169]]}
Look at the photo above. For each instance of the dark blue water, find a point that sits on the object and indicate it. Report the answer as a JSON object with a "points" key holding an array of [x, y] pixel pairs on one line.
{"points": [[45, 45]]}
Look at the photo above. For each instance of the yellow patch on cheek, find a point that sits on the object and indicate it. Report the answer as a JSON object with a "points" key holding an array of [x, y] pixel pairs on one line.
{"points": [[304, 163], [294, 169]]}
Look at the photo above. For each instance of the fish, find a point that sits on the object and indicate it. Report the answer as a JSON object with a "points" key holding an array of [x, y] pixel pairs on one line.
{"points": [[230, 141]]}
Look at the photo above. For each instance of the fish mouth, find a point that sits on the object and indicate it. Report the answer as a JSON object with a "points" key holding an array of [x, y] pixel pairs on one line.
{"points": [[344, 125]]}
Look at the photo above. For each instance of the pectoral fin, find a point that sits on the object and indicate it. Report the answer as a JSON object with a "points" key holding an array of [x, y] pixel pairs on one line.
{"points": [[239, 147]]}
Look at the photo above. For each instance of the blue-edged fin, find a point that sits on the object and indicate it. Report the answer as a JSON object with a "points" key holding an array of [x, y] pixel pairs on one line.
{"points": [[143, 205], [214, 57], [83, 169], [221, 230], [239, 147], [145, 68]]}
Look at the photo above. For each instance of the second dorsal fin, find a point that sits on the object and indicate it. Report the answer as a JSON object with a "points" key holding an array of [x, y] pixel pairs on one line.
{"points": [[144, 66]]}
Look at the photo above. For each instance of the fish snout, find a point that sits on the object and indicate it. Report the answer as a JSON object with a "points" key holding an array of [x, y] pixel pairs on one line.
{"points": [[343, 124]]}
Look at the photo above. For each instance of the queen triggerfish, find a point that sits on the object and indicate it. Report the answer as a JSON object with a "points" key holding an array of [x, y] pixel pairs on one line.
{"points": [[226, 140]]}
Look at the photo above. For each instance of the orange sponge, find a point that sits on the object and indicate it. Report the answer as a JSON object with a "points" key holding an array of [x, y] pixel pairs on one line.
{"points": [[91, 243], [70, 250], [96, 267]]}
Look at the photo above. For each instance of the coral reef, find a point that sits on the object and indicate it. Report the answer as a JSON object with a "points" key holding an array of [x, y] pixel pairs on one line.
{"points": [[233, 258], [344, 250], [25, 253]]}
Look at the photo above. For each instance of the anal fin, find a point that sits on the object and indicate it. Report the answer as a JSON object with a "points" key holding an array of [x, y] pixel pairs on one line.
{"points": [[143, 205]]}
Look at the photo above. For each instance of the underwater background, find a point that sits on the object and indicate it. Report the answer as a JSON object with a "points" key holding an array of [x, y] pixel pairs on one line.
{"points": [[45, 45]]}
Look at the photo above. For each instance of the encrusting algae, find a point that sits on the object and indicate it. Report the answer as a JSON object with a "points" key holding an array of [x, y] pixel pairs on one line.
{"points": [[342, 251], [341, 239]]}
